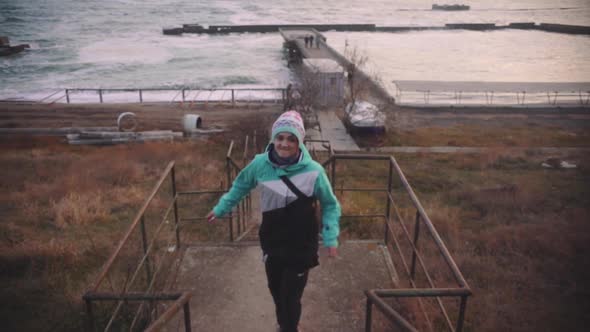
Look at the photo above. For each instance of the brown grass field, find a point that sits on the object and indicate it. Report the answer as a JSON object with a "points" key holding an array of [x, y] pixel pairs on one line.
{"points": [[519, 232]]}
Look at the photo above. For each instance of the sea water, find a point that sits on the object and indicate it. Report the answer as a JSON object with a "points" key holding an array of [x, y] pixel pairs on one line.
{"points": [[119, 43]]}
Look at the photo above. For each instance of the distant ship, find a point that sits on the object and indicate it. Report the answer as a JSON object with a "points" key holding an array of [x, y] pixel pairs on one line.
{"points": [[450, 7], [6, 49]]}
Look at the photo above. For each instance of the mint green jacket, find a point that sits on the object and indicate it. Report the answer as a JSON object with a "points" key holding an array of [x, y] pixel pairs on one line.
{"points": [[307, 175]]}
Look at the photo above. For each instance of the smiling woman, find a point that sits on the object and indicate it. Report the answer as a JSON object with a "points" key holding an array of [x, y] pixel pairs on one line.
{"points": [[289, 182]]}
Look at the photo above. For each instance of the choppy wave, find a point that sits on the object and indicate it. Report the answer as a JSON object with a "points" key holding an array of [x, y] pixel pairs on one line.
{"points": [[12, 19], [237, 80], [93, 43], [123, 51]]}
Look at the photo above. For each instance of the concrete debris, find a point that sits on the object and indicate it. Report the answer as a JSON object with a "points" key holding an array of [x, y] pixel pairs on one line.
{"points": [[52, 131], [201, 132], [191, 122], [110, 138], [557, 163], [126, 121]]}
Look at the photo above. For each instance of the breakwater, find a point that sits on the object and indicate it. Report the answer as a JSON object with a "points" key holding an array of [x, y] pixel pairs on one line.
{"points": [[265, 28]]}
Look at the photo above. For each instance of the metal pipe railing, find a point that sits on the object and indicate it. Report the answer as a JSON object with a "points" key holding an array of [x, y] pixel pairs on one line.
{"points": [[182, 303], [276, 94], [374, 296], [133, 226]]}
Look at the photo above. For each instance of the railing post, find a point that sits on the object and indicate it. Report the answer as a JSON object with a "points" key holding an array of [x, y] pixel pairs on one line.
{"points": [[187, 317], [368, 315], [233, 100], [172, 173], [148, 269], [333, 173], [461, 317], [140, 96], [416, 234], [388, 205], [100, 95], [89, 312], [68, 96], [183, 100], [228, 186]]}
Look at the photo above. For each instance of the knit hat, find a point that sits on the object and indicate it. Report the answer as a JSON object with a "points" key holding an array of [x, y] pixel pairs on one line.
{"points": [[290, 122]]}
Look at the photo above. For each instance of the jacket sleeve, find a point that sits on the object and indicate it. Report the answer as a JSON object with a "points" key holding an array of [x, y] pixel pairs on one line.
{"points": [[330, 210], [240, 188]]}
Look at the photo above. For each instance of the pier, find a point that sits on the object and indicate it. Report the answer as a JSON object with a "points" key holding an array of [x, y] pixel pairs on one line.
{"points": [[295, 42]]}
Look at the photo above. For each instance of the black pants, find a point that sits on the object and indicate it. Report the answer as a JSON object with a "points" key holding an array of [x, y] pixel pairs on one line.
{"points": [[286, 284]]}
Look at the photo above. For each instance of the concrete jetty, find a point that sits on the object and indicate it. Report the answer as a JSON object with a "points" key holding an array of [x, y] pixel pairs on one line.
{"points": [[294, 39], [269, 28]]}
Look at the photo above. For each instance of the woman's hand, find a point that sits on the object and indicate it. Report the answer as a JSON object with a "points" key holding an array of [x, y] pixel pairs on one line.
{"points": [[333, 252], [211, 217]]}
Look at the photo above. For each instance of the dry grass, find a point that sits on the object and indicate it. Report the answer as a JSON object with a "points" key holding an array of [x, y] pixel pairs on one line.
{"points": [[65, 207], [518, 232], [475, 130]]}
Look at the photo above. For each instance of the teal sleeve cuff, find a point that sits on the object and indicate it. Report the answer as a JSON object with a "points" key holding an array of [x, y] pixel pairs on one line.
{"points": [[217, 212], [331, 243]]}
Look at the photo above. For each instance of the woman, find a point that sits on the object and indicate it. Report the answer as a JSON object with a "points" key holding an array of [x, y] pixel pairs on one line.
{"points": [[289, 182]]}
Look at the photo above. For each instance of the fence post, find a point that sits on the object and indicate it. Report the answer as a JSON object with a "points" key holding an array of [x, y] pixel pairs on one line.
{"points": [[233, 99], [388, 205], [100, 95], [145, 245], [140, 96], [67, 96], [334, 173], [416, 233], [89, 312], [461, 317], [183, 100], [368, 315], [228, 186], [187, 317], [175, 207]]}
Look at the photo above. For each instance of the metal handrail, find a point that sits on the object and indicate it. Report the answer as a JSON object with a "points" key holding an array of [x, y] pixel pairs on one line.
{"points": [[439, 242], [166, 316], [131, 228], [122, 296], [374, 296]]}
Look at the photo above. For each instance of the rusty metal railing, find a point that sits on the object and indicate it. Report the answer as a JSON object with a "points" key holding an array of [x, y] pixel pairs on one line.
{"points": [[137, 273], [182, 303], [238, 224], [136, 279], [394, 225]]}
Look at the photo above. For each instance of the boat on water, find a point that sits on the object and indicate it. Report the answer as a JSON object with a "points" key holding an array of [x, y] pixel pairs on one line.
{"points": [[6, 49], [450, 7]]}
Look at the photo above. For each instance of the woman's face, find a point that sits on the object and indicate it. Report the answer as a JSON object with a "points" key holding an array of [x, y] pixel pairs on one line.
{"points": [[286, 145]]}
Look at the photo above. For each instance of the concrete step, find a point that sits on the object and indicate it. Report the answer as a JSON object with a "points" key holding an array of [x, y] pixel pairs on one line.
{"points": [[230, 292]]}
